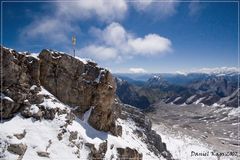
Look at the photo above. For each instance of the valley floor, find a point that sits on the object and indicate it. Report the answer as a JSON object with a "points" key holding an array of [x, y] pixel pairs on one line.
{"points": [[197, 128]]}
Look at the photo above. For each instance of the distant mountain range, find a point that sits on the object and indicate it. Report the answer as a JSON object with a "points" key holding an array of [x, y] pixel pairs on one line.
{"points": [[218, 71], [128, 94], [216, 86]]}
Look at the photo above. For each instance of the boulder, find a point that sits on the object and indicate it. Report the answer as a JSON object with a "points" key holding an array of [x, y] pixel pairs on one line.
{"points": [[46, 113], [97, 154], [73, 135], [18, 149], [7, 107], [128, 153], [43, 154], [36, 99], [20, 135]]}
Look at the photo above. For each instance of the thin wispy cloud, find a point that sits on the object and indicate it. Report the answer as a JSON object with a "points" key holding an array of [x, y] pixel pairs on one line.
{"points": [[137, 70], [49, 29], [158, 9], [56, 26], [194, 8], [103, 10]]}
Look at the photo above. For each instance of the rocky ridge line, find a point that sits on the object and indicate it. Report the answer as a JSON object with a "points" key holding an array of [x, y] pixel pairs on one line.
{"points": [[82, 85]]}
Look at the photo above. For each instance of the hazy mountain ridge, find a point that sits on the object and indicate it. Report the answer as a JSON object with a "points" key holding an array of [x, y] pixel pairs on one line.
{"points": [[207, 88], [128, 94]]}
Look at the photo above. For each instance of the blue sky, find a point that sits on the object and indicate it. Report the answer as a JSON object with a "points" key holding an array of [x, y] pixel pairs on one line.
{"points": [[129, 37]]}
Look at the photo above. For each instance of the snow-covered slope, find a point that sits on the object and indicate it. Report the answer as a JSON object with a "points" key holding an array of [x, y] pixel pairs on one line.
{"points": [[61, 139], [57, 106]]}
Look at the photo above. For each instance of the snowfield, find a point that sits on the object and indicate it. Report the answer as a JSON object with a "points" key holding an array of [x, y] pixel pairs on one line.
{"points": [[42, 136]]}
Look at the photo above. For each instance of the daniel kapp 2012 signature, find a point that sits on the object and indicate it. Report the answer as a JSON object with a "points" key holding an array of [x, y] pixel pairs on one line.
{"points": [[213, 153]]}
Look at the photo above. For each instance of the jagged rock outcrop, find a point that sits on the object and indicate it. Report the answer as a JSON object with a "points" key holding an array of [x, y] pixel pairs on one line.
{"points": [[97, 154], [72, 87], [128, 153], [19, 72], [145, 132], [18, 149], [78, 83]]}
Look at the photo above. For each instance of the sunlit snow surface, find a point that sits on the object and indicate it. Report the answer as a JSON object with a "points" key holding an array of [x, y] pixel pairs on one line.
{"points": [[40, 132]]}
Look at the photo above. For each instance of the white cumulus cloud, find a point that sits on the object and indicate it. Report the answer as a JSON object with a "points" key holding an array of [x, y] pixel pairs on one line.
{"points": [[150, 44], [112, 42], [137, 70], [127, 45]]}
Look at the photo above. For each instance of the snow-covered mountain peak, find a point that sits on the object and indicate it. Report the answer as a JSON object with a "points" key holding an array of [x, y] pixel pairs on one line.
{"points": [[218, 71]]}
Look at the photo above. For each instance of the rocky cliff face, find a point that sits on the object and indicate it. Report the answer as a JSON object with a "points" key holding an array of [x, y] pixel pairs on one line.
{"points": [[19, 72], [68, 100], [78, 83]]}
